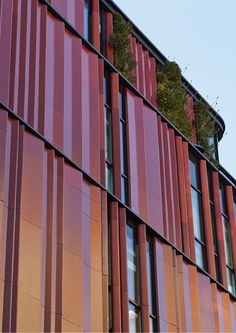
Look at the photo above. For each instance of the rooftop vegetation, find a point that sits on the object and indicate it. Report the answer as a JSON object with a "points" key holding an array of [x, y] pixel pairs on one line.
{"points": [[120, 41]]}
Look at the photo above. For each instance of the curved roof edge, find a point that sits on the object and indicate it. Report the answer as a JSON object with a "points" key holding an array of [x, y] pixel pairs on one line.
{"points": [[145, 41]]}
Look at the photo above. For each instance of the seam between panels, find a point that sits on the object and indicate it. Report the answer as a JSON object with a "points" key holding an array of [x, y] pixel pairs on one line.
{"points": [[30, 129], [75, 32]]}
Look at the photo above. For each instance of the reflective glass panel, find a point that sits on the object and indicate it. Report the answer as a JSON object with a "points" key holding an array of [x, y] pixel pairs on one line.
{"points": [[134, 319], [87, 20], [231, 280], [150, 270], [194, 176], [200, 254], [109, 178], [124, 190], [227, 242], [132, 257], [108, 140], [197, 215]]}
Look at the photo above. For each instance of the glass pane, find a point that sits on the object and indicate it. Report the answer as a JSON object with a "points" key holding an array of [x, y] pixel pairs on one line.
{"points": [[124, 190], [197, 215], [122, 103], [152, 324], [108, 139], [223, 199], [210, 186], [213, 225], [102, 29], [87, 20], [132, 257], [227, 242], [134, 319], [200, 254], [107, 88], [231, 280], [109, 178], [194, 174], [123, 147], [151, 281], [217, 266]]}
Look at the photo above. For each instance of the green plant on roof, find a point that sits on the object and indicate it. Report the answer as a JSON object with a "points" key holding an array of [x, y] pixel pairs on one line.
{"points": [[120, 42], [205, 128], [171, 96]]}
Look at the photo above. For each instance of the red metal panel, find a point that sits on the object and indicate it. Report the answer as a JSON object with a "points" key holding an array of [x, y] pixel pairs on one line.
{"points": [[163, 176], [232, 221], [153, 174], [102, 122], [109, 30], [165, 288], [95, 24], [115, 268], [6, 8], [168, 184], [124, 272], [182, 194], [90, 116], [205, 305], [104, 239], [153, 81], [207, 218], [72, 11], [137, 170], [140, 68], [146, 63], [174, 179], [133, 47]]}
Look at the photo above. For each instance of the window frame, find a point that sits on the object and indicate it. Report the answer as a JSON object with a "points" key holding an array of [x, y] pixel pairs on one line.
{"points": [[226, 225], [103, 29], [108, 110], [213, 226], [123, 146], [136, 303], [151, 282], [195, 185], [88, 29]]}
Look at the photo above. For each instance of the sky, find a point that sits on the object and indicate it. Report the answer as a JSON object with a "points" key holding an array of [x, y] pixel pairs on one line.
{"points": [[201, 37]]}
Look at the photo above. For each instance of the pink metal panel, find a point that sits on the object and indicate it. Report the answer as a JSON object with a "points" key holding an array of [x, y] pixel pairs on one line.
{"points": [[72, 11], [137, 167], [5, 46], [153, 175]]}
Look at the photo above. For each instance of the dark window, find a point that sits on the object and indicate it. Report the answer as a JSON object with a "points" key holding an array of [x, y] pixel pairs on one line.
{"points": [[87, 20], [199, 232], [213, 144], [213, 226], [103, 30], [123, 147], [108, 131], [151, 287], [227, 241], [133, 279]]}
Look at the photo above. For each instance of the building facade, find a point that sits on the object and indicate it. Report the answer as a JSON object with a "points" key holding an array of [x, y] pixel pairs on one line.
{"points": [[110, 219]]}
